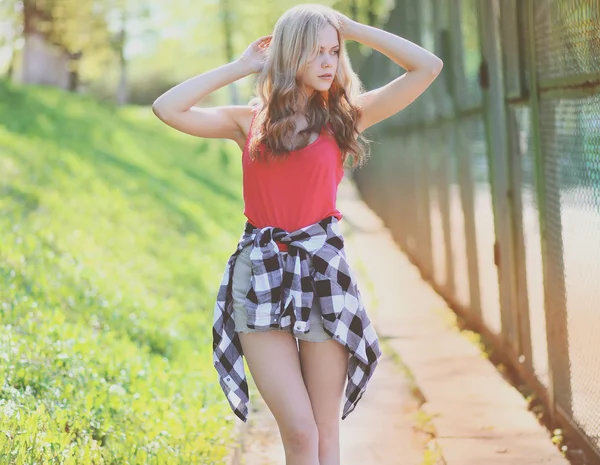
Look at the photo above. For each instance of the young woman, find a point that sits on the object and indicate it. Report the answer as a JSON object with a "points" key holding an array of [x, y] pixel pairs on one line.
{"points": [[288, 301]]}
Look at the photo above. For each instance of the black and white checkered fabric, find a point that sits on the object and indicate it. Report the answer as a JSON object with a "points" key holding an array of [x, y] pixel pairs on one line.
{"points": [[281, 296]]}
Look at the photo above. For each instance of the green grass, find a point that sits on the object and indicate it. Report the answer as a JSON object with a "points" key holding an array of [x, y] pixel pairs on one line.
{"points": [[114, 233]]}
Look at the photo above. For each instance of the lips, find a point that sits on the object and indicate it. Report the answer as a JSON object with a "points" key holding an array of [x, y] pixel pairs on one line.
{"points": [[326, 75]]}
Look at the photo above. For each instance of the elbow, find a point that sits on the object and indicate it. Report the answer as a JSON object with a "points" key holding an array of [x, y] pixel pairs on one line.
{"points": [[431, 68], [156, 108], [165, 111], [159, 110], [436, 66]]}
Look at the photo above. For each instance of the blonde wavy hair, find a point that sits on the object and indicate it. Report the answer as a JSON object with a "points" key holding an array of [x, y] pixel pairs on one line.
{"points": [[294, 44]]}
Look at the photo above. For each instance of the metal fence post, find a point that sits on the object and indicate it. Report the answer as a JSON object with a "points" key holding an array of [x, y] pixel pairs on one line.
{"points": [[496, 135], [512, 39], [554, 285], [465, 177]]}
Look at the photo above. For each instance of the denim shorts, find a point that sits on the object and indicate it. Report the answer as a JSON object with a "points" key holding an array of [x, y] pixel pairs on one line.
{"points": [[241, 284]]}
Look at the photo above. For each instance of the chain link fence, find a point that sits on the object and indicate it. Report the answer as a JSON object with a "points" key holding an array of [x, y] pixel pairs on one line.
{"points": [[490, 182]]}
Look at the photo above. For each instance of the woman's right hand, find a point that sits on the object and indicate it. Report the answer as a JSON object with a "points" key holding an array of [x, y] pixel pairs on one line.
{"points": [[255, 55]]}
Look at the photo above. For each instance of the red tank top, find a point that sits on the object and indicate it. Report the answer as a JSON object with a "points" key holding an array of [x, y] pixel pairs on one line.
{"points": [[296, 192]]}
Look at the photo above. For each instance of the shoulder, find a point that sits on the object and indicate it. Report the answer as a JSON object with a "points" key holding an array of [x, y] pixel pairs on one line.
{"points": [[244, 114], [248, 118]]}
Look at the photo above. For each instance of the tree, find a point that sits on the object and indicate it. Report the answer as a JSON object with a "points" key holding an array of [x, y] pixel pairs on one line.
{"points": [[11, 30], [57, 35]]}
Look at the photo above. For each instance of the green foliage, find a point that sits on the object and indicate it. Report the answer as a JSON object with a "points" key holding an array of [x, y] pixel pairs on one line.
{"points": [[75, 25], [114, 232], [164, 42]]}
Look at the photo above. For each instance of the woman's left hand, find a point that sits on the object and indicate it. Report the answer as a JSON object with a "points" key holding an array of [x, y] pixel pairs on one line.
{"points": [[345, 24]]}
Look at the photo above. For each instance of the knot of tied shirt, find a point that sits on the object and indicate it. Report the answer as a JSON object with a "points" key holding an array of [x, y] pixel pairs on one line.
{"points": [[291, 284]]}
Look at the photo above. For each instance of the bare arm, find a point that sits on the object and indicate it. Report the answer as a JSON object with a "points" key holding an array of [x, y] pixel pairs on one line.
{"points": [[422, 67], [176, 106]]}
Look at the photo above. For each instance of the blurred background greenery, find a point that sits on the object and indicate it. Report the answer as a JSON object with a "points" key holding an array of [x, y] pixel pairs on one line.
{"points": [[115, 229], [128, 51]]}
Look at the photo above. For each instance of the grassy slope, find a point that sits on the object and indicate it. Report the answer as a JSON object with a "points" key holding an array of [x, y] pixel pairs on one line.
{"points": [[114, 232]]}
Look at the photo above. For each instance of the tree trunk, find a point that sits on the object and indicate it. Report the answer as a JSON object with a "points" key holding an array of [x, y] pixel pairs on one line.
{"points": [[227, 31], [11, 64], [43, 62], [122, 91]]}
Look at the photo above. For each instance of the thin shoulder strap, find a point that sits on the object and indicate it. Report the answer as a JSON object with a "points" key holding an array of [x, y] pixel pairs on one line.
{"points": [[255, 109]]}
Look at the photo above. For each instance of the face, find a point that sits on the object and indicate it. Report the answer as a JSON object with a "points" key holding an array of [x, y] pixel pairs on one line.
{"points": [[326, 62]]}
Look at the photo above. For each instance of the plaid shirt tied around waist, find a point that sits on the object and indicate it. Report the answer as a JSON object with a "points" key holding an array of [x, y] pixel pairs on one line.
{"points": [[281, 296]]}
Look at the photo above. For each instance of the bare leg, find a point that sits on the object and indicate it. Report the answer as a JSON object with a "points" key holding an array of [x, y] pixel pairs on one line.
{"points": [[274, 363], [324, 368]]}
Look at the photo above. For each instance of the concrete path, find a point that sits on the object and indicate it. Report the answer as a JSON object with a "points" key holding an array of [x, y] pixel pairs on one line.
{"points": [[476, 416]]}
